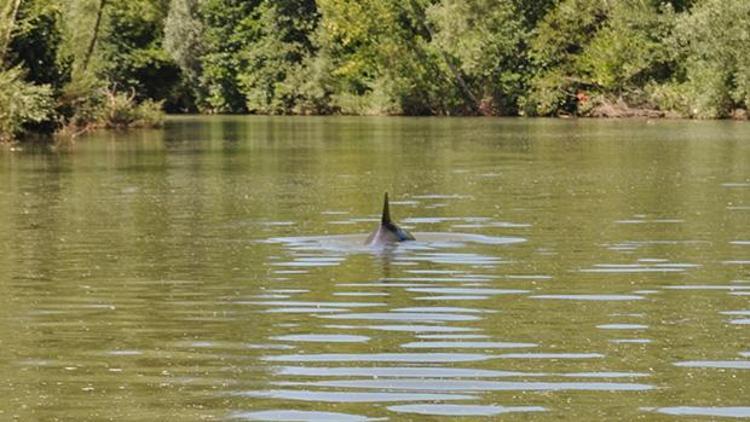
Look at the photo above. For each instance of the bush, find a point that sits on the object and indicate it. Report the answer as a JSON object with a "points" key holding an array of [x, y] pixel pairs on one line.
{"points": [[120, 111], [711, 43], [81, 102], [555, 49], [22, 104], [86, 104], [377, 100]]}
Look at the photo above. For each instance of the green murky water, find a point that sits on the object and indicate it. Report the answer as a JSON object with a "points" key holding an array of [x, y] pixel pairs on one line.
{"points": [[563, 270]]}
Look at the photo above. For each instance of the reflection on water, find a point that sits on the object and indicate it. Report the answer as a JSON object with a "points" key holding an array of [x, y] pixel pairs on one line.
{"points": [[463, 385], [297, 415], [604, 298], [350, 397], [323, 338], [381, 357], [461, 410], [727, 412], [725, 364], [216, 269]]}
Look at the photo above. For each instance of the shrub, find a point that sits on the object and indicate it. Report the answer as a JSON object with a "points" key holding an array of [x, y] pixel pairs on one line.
{"points": [[86, 104], [711, 43], [22, 104], [81, 102], [554, 50], [120, 111]]}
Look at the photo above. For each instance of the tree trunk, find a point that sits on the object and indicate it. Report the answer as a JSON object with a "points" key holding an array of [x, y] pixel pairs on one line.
{"points": [[464, 87], [95, 35], [8, 35]]}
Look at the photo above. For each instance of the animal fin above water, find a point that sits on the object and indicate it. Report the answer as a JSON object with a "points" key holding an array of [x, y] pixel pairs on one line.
{"points": [[387, 232], [386, 218]]}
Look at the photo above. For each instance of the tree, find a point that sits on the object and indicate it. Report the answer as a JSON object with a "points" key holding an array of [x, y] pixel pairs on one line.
{"points": [[183, 41], [382, 58], [35, 44], [229, 27], [84, 21], [21, 104], [7, 25], [283, 42], [628, 51], [94, 35], [559, 39], [711, 45], [29, 40], [482, 43], [132, 53]]}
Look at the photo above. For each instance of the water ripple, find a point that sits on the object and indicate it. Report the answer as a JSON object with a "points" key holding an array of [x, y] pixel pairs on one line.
{"points": [[434, 309], [467, 291], [452, 297], [297, 415], [311, 304], [404, 316], [591, 297], [413, 328], [462, 410], [723, 364], [622, 326], [381, 357], [322, 338], [354, 243], [420, 384], [551, 356], [730, 287], [349, 397], [724, 412], [466, 345], [400, 372]]}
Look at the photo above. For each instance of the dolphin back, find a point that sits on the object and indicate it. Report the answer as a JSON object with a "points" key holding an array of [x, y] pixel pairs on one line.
{"points": [[388, 231]]}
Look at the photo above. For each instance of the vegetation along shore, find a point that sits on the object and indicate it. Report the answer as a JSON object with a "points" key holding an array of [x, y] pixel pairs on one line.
{"points": [[67, 66]]}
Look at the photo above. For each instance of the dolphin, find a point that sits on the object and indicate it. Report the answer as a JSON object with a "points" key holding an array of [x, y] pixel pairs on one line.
{"points": [[388, 232]]}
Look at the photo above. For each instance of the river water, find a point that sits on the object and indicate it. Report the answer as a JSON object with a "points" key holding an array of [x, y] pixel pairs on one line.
{"points": [[214, 270]]}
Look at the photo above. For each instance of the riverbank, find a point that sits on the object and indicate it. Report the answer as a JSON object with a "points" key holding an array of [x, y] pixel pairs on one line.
{"points": [[621, 110], [565, 58], [156, 118]]}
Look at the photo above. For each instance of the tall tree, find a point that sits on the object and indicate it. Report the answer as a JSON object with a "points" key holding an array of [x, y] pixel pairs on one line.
{"points": [[229, 27], [284, 30], [558, 41], [132, 51], [94, 35], [482, 43], [183, 38], [382, 57], [464, 88], [711, 43], [7, 25], [36, 42]]}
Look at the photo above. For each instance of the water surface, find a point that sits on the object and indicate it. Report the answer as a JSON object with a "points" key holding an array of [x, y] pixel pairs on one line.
{"points": [[215, 270]]}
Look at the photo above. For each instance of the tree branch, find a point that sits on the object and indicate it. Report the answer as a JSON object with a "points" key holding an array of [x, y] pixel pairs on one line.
{"points": [[8, 35], [465, 90], [95, 35]]}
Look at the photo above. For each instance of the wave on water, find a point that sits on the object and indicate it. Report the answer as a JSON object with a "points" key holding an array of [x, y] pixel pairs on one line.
{"points": [[355, 243]]}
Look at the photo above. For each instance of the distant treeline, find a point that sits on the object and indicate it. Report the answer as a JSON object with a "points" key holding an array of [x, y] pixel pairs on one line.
{"points": [[75, 64]]}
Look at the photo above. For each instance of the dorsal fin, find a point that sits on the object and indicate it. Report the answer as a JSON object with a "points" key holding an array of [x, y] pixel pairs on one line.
{"points": [[386, 219]]}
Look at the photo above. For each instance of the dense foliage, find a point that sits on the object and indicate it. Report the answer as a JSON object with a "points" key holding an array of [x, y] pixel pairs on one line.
{"points": [[68, 63], [23, 104]]}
